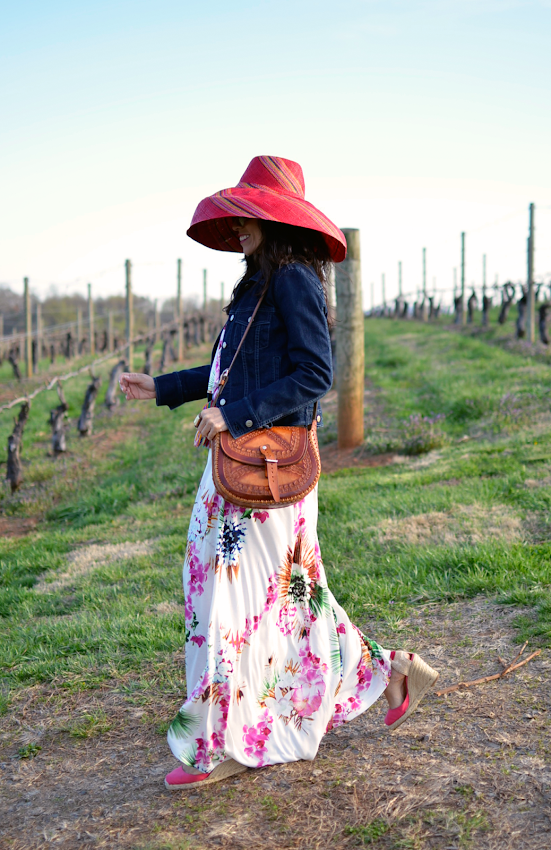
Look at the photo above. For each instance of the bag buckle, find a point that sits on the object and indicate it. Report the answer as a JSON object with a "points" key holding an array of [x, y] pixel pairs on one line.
{"points": [[271, 471]]}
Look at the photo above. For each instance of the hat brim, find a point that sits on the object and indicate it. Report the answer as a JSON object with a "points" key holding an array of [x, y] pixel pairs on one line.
{"points": [[211, 224]]}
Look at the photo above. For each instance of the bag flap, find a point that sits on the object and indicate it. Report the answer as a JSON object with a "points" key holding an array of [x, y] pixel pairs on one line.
{"points": [[288, 443]]}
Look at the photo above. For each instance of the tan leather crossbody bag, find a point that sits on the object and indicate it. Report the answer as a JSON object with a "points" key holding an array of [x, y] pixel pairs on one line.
{"points": [[267, 468]]}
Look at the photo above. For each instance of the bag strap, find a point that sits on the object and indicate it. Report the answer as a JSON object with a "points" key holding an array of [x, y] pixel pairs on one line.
{"points": [[313, 416], [243, 338], [224, 376]]}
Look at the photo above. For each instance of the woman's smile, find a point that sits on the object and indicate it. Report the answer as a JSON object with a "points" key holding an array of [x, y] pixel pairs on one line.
{"points": [[249, 233]]}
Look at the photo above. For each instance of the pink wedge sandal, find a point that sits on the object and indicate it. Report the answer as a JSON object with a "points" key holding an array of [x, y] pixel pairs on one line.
{"points": [[419, 679], [179, 780]]}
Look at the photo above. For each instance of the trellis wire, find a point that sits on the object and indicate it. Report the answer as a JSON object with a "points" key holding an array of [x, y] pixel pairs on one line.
{"points": [[50, 385]]}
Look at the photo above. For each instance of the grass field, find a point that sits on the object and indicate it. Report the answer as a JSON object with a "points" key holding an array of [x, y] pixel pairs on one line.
{"points": [[90, 596]]}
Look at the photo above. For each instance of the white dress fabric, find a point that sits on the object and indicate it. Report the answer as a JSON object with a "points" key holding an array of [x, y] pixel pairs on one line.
{"points": [[272, 660]]}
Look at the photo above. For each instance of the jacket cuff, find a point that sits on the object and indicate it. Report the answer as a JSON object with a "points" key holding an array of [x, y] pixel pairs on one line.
{"points": [[169, 391], [240, 418]]}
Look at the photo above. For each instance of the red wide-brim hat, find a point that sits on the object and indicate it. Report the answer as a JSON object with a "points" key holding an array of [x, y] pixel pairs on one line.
{"points": [[271, 189]]}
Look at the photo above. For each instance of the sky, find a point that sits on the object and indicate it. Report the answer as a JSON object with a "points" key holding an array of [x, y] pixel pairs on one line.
{"points": [[413, 121]]}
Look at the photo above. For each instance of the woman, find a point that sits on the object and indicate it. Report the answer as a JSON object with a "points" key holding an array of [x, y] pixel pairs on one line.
{"points": [[272, 660]]}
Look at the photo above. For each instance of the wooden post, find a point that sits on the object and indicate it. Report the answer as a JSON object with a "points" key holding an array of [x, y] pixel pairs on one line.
{"points": [[400, 279], [179, 314], [222, 295], [110, 345], [129, 316], [531, 290], [384, 294], [463, 311], [28, 328], [350, 345], [332, 305], [483, 275], [91, 345], [204, 289]]}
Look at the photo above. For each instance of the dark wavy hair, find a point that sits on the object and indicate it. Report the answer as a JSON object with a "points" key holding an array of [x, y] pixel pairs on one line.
{"points": [[283, 244]]}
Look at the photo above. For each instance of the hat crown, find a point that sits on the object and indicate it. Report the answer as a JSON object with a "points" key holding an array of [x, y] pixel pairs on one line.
{"points": [[274, 174]]}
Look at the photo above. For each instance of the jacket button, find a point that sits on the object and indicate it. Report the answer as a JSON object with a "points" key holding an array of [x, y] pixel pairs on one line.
{"points": [[224, 345], [249, 423], [249, 319], [318, 418], [231, 318], [222, 402]]}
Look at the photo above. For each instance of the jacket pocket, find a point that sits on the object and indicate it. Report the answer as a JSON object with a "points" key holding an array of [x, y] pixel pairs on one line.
{"points": [[257, 338]]}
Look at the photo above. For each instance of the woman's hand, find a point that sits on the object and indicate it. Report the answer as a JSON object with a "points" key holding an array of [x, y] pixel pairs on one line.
{"points": [[136, 385], [211, 422]]}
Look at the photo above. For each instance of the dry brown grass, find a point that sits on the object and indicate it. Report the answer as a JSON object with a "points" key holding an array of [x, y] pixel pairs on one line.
{"points": [[468, 770], [463, 524], [88, 558]]}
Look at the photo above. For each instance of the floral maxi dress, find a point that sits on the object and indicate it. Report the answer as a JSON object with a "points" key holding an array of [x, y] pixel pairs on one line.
{"points": [[272, 660]]}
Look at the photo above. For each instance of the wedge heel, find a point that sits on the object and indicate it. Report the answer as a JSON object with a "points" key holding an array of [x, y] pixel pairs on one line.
{"points": [[228, 768], [420, 679]]}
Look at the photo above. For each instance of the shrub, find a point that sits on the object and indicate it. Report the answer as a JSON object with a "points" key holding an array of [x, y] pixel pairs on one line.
{"points": [[421, 434]]}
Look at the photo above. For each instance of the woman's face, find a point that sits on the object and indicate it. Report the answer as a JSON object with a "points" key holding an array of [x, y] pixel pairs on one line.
{"points": [[249, 233]]}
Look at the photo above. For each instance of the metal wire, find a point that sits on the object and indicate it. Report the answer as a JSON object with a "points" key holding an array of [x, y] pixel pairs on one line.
{"points": [[50, 385]]}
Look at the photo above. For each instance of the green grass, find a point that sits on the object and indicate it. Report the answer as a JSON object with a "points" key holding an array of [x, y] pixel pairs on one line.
{"points": [[90, 725], [432, 372], [29, 751], [135, 481], [368, 834]]}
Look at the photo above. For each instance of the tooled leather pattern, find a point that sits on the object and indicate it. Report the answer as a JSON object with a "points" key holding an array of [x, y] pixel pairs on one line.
{"points": [[246, 485], [289, 444]]}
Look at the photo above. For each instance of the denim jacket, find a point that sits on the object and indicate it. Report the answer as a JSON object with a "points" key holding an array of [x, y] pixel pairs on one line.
{"points": [[284, 366]]}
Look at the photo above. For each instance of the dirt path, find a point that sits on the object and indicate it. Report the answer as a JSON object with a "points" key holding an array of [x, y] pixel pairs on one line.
{"points": [[333, 459], [469, 770]]}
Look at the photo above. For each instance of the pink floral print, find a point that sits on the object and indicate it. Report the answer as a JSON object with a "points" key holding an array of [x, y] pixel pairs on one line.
{"points": [[255, 739], [272, 660]]}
